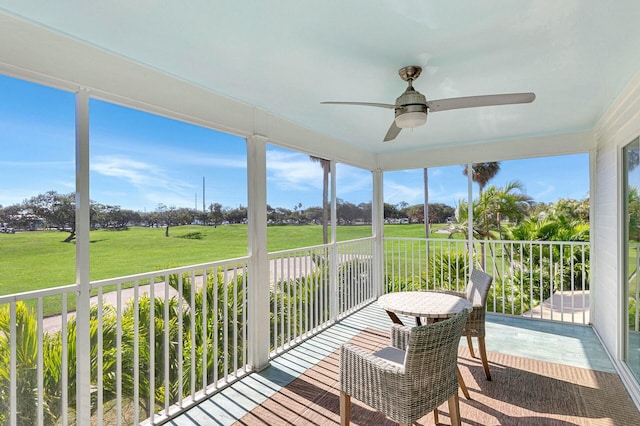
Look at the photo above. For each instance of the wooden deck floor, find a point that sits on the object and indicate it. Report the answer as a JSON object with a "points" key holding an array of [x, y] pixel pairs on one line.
{"points": [[571, 345]]}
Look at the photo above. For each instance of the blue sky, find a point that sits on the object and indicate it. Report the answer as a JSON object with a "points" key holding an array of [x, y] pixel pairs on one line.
{"points": [[139, 160]]}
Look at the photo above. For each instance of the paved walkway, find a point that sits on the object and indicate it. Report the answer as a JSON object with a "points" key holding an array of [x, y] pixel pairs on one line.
{"points": [[575, 306]]}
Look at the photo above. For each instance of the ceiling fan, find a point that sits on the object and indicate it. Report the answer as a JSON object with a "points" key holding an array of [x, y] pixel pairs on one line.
{"points": [[411, 107]]}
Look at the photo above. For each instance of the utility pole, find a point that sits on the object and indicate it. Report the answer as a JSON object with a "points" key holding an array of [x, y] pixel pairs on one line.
{"points": [[203, 194]]}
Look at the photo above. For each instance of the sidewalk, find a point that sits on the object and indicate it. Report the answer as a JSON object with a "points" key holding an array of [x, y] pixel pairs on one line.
{"points": [[576, 308]]}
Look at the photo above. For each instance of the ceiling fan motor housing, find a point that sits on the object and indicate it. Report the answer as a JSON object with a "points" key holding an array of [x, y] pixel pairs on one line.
{"points": [[411, 109]]}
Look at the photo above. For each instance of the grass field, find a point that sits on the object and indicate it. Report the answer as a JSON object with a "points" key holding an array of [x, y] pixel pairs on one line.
{"points": [[36, 260]]}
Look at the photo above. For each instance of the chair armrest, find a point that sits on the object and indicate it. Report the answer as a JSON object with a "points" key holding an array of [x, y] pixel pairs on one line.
{"points": [[400, 336]]}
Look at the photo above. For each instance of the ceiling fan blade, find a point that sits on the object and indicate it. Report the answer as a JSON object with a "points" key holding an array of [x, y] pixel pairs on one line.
{"points": [[393, 132], [480, 101], [373, 104]]}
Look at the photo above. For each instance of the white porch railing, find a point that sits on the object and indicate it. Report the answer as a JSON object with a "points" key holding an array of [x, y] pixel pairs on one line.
{"points": [[28, 355], [536, 279], [164, 340], [355, 283], [303, 295], [300, 295], [160, 342], [190, 344]]}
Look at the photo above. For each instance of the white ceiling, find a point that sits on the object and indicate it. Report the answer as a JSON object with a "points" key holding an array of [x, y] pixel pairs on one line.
{"points": [[287, 56]]}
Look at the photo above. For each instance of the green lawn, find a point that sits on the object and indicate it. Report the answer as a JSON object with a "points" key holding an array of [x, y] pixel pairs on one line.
{"points": [[36, 260]]}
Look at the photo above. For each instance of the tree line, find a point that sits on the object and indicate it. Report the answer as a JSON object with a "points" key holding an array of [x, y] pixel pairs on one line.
{"points": [[52, 210], [494, 206]]}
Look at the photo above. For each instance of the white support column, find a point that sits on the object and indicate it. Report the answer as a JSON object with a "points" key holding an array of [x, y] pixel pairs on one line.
{"points": [[83, 359], [258, 289], [593, 289], [470, 213], [334, 203], [377, 220], [427, 228], [333, 272]]}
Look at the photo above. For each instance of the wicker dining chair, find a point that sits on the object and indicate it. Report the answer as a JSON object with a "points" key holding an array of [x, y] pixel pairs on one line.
{"points": [[413, 376], [476, 292]]}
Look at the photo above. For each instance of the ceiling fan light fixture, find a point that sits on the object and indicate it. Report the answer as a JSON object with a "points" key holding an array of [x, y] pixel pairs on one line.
{"points": [[410, 120], [411, 107]]}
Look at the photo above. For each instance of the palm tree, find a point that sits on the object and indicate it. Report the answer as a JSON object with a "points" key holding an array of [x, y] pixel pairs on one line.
{"points": [[482, 173], [326, 169], [490, 209], [26, 341]]}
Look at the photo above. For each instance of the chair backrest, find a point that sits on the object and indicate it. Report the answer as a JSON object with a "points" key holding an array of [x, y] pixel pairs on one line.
{"points": [[432, 350], [478, 287]]}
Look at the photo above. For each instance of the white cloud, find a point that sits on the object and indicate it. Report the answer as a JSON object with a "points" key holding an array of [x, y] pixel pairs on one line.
{"points": [[353, 181], [217, 160], [297, 172], [544, 193], [395, 192], [69, 185], [10, 197], [451, 199], [293, 171], [141, 148], [155, 198], [137, 173]]}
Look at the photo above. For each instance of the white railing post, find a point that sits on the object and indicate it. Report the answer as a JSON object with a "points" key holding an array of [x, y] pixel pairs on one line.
{"points": [[258, 287], [377, 220], [13, 366], [333, 251], [83, 359], [470, 213]]}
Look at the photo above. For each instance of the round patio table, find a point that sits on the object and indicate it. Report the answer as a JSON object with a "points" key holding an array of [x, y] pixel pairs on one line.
{"points": [[422, 304]]}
